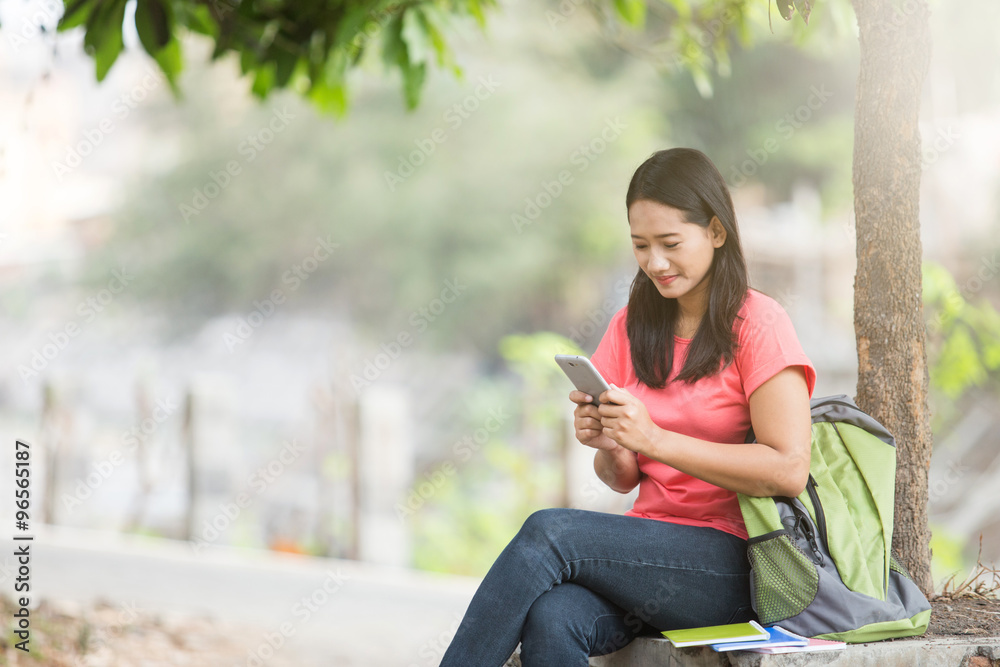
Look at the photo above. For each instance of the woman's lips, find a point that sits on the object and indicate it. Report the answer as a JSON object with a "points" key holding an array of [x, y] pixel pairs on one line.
{"points": [[666, 280]]}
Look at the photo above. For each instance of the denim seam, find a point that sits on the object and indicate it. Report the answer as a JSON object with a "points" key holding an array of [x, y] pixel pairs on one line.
{"points": [[669, 567], [590, 635]]}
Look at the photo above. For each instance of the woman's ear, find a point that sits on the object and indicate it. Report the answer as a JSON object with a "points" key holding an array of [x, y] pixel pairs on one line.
{"points": [[717, 231]]}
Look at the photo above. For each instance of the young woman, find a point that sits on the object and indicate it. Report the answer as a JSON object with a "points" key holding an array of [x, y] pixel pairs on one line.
{"points": [[694, 359]]}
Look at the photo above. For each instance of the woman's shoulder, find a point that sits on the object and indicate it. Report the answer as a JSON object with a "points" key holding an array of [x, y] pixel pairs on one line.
{"points": [[757, 302], [619, 315], [759, 308]]}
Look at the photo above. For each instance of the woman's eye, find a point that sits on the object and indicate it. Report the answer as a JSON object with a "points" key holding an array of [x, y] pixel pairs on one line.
{"points": [[640, 247], [670, 245]]}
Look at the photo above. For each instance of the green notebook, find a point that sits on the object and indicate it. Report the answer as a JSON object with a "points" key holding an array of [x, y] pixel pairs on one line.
{"points": [[717, 634]]}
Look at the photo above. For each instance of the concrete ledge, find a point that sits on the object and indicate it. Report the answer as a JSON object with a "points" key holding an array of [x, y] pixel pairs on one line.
{"points": [[918, 652]]}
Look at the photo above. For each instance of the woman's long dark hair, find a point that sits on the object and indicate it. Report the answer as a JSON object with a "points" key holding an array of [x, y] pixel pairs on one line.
{"points": [[685, 179]]}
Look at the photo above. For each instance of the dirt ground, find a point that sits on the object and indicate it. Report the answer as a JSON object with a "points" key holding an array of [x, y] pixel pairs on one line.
{"points": [[964, 617], [106, 635]]}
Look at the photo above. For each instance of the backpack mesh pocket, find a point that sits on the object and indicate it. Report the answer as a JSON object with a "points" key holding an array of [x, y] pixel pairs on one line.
{"points": [[897, 566], [784, 578]]}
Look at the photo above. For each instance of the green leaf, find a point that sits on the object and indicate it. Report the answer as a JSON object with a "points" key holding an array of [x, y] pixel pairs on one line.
{"points": [[958, 367], [270, 31], [329, 98], [742, 29], [785, 8], [991, 352], [198, 19], [75, 13], [264, 81], [224, 43], [476, 9], [152, 22], [804, 7], [284, 66], [414, 34], [248, 61], [632, 12], [350, 29], [104, 36], [682, 7], [94, 28], [171, 62], [317, 48], [413, 82], [393, 47], [702, 81], [335, 69], [436, 23]]}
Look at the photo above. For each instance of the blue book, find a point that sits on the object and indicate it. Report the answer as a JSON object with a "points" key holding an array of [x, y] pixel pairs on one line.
{"points": [[776, 637]]}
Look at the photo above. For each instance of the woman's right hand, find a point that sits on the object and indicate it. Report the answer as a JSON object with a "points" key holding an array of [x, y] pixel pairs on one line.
{"points": [[615, 466], [587, 423]]}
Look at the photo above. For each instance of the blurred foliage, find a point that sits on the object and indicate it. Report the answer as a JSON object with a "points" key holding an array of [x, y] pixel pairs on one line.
{"points": [[484, 492], [475, 514], [310, 46], [968, 37], [450, 218], [947, 553], [450, 221], [702, 37], [782, 119], [531, 357], [963, 338], [306, 46]]}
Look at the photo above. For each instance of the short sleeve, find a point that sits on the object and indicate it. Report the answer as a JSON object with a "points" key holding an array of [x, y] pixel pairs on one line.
{"points": [[607, 358], [768, 345]]}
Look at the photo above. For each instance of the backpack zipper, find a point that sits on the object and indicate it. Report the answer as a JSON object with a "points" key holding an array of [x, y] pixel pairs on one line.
{"points": [[818, 508], [802, 524]]}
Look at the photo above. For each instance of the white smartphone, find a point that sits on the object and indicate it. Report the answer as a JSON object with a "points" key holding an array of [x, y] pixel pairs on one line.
{"points": [[583, 375]]}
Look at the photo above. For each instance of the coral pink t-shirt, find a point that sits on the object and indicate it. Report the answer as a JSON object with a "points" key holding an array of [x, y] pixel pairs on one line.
{"points": [[714, 408]]}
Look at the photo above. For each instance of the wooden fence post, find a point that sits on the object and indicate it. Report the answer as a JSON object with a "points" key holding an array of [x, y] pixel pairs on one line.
{"points": [[144, 409], [385, 471], [189, 444], [55, 434]]}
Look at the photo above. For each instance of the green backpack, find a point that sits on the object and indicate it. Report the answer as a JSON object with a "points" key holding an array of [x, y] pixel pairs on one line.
{"points": [[821, 563]]}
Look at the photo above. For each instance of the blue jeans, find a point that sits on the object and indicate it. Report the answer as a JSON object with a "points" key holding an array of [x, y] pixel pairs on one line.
{"points": [[575, 583]]}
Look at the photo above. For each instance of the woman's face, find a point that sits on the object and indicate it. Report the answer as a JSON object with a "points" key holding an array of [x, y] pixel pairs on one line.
{"points": [[674, 253]]}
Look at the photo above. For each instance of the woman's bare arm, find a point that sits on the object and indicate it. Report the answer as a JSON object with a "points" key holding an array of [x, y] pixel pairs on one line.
{"points": [[615, 466], [777, 464], [618, 468]]}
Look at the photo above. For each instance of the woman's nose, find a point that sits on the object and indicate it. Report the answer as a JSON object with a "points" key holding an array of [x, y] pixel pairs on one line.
{"points": [[658, 263]]}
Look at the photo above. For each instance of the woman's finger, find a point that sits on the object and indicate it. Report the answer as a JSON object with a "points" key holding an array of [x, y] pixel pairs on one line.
{"points": [[609, 409]]}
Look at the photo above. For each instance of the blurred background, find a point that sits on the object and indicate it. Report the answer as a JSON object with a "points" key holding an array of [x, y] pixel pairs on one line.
{"points": [[252, 329]]}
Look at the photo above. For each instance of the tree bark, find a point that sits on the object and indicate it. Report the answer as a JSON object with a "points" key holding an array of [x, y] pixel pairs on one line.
{"points": [[888, 308]]}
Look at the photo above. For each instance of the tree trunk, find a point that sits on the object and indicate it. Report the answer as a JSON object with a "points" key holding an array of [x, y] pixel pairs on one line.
{"points": [[888, 309]]}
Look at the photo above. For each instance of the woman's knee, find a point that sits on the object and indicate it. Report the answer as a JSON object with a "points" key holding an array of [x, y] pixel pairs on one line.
{"points": [[566, 609], [548, 613], [579, 619], [545, 525]]}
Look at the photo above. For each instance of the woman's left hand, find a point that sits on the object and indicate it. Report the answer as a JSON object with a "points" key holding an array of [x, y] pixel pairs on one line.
{"points": [[626, 420]]}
